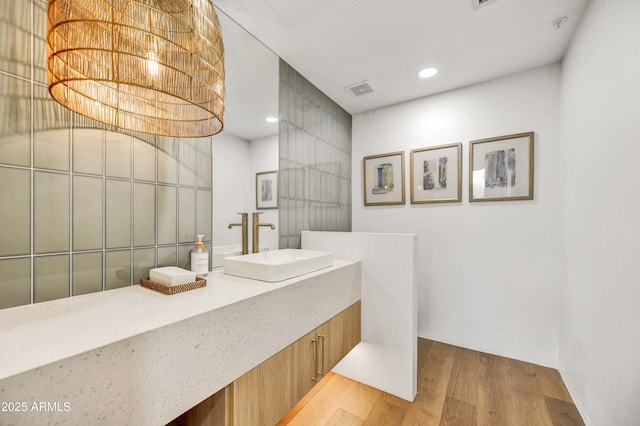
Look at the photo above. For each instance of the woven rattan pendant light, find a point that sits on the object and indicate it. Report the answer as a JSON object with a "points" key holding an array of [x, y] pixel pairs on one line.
{"points": [[154, 66]]}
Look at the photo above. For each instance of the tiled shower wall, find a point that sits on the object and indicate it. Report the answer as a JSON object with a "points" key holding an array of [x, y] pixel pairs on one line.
{"points": [[84, 208], [315, 160]]}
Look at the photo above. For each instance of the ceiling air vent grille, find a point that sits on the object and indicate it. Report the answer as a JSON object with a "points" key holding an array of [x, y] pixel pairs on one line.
{"points": [[475, 4], [359, 89]]}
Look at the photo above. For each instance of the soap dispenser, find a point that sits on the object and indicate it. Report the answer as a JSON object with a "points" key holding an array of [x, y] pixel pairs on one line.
{"points": [[200, 258]]}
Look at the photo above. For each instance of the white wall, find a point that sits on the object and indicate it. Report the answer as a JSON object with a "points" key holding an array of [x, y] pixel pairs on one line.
{"points": [[235, 164], [600, 334], [231, 187], [264, 158], [488, 273]]}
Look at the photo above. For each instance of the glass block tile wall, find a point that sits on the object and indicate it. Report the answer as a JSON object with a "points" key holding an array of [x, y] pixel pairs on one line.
{"points": [[315, 160], [84, 208]]}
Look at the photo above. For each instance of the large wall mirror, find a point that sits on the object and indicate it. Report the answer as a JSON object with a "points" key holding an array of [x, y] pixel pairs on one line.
{"points": [[248, 144]]}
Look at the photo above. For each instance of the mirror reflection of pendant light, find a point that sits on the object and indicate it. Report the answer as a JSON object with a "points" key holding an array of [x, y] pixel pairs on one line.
{"points": [[153, 66]]}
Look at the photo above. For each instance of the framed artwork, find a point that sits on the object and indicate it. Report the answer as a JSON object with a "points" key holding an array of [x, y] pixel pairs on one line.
{"points": [[267, 190], [436, 174], [383, 179], [501, 168]]}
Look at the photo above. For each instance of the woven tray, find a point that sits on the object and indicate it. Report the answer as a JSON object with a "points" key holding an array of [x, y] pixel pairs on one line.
{"points": [[172, 289]]}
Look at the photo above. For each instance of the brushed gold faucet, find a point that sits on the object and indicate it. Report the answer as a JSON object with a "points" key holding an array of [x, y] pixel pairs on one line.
{"points": [[245, 231], [255, 246]]}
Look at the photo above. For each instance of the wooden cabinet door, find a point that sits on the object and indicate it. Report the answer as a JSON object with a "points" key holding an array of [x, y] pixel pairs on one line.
{"points": [[259, 396], [302, 368], [265, 394], [338, 336]]}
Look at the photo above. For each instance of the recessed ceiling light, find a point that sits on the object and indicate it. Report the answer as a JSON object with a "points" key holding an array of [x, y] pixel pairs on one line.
{"points": [[271, 119], [428, 72]]}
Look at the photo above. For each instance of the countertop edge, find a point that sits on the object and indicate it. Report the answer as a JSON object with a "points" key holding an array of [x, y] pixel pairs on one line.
{"points": [[59, 326]]}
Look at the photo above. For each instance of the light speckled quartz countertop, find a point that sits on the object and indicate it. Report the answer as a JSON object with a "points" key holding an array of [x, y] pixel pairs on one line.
{"points": [[136, 356]]}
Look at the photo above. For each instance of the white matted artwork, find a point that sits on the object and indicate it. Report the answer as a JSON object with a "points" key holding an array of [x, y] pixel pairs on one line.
{"points": [[501, 168], [383, 179], [436, 174], [267, 190]]}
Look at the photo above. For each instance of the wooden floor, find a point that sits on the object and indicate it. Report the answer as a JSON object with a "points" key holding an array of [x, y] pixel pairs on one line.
{"points": [[456, 386]]}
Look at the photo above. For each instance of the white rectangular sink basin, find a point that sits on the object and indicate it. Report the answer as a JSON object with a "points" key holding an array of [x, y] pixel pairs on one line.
{"points": [[277, 265]]}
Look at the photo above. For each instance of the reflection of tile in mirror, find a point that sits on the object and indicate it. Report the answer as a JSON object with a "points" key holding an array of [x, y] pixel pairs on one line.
{"points": [[291, 137], [203, 213], [186, 162], [118, 154], [203, 162], [117, 269], [167, 211], [345, 217], [118, 208], [184, 257], [344, 192], [51, 278], [299, 183], [39, 42], [167, 159], [144, 214], [51, 212], [143, 261], [88, 138], [310, 91], [87, 273], [299, 106], [309, 148], [283, 138], [283, 70], [15, 285], [292, 217], [283, 215], [308, 116], [15, 121], [144, 159], [304, 215], [15, 212], [87, 213], [300, 215], [167, 256], [283, 178], [51, 134], [186, 215], [283, 90], [314, 192], [15, 58]]}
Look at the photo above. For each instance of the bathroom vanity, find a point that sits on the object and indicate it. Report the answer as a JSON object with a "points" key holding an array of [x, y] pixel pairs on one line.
{"points": [[135, 356]]}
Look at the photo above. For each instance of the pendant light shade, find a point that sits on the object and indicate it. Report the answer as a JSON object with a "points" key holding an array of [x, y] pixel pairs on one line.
{"points": [[153, 66]]}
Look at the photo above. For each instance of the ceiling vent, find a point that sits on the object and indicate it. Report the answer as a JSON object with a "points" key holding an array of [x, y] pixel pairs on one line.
{"points": [[475, 4], [359, 89]]}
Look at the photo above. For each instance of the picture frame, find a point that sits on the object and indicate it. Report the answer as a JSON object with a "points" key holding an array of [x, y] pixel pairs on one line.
{"points": [[267, 190], [436, 174], [383, 179], [501, 168]]}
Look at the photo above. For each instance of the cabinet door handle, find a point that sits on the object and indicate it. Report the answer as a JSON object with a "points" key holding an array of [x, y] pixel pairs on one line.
{"points": [[322, 351], [315, 360]]}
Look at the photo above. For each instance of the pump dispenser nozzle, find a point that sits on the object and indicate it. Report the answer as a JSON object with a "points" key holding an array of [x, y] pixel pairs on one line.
{"points": [[200, 244]]}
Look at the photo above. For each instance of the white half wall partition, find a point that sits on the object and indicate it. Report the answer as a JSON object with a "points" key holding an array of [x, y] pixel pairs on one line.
{"points": [[386, 358]]}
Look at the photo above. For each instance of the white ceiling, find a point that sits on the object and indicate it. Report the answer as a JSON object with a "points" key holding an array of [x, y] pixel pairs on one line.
{"points": [[337, 43]]}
